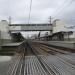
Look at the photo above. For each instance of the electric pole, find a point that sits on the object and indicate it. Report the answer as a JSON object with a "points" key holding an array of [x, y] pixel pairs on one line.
{"points": [[9, 20], [50, 20]]}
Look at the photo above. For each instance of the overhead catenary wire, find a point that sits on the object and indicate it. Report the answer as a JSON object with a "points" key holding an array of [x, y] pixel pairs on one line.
{"points": [[63, 7], [58, 8]]}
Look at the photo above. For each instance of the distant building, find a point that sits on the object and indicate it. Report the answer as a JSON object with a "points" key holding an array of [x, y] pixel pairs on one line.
{"points": [[70, 36], [58, 26], [4, 29], [60, 32]]}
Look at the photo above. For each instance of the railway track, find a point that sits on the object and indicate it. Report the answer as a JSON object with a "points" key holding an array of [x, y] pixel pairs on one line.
{"points": [[39, 59]]}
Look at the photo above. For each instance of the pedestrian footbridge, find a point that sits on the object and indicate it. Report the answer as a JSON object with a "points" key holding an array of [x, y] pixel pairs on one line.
{"points": [[30, 27]]}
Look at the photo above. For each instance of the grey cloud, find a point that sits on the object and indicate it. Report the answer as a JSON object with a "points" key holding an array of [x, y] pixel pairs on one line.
{"points": [[41, 10], [67, 15]]}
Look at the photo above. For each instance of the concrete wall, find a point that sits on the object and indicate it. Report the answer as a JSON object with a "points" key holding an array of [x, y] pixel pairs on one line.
{"points": [[4, 25], [4, 28], [58, 26], [70, 37], [73, 35]]}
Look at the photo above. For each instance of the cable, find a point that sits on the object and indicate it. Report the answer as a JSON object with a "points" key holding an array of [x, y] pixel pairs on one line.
{"points": [[56, 10], [30, 11], [64, 7]]}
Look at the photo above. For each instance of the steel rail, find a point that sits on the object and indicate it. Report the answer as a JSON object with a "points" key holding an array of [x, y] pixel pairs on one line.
{"points": [[67, 64], [13, 65], [37, 61]]}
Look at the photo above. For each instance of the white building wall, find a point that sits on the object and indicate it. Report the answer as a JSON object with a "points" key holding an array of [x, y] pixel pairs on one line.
{"points": [[58, 26], [4, 28], [73, 35], [70, 37]]}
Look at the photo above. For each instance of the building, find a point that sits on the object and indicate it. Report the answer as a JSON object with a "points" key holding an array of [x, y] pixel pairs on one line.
{"points": [[62, 33], [4, 29], [59, 26]]}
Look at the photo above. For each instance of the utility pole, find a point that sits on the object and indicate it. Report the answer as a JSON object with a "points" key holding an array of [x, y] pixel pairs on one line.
{"points": [[30, 11], [9, 20], [50, 20]]}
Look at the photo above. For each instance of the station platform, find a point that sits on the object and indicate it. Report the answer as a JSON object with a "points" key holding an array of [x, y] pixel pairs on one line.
{"points": [[11, 44], [11, 48], [64, 44]]}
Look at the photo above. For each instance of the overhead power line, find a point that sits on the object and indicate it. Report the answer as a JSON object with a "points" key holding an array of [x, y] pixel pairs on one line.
{"points": [[63, 7], [58, 8]]}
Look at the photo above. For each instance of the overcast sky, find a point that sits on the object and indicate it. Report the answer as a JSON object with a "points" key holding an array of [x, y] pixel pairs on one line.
{"points": [[41, 10]]}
